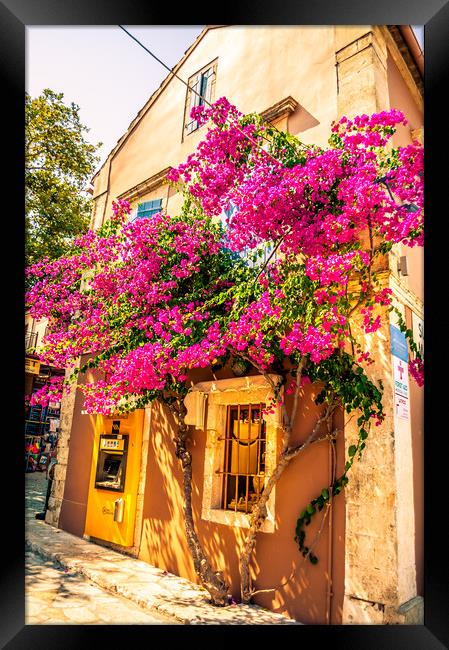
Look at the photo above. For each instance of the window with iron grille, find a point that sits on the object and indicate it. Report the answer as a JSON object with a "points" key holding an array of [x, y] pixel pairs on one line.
{"points": [[244, 457], [200, 92], [148, 209]]}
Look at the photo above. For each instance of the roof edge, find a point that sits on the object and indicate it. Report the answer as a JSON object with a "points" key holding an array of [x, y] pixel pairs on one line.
{"points": [[154, 96]]}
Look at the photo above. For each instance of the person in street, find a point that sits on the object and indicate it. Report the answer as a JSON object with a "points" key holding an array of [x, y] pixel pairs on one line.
{"points": [[50, 477]]}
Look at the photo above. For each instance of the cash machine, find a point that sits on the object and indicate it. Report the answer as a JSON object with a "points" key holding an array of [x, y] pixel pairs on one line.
{"points": [[114, 478]]}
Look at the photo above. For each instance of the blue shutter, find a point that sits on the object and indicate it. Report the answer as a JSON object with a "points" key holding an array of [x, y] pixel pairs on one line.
{"points": [[148, 208], [203, 88]]}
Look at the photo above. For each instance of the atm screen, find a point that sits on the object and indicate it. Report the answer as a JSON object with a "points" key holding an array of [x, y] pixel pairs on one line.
{"points": [[111, 468]]}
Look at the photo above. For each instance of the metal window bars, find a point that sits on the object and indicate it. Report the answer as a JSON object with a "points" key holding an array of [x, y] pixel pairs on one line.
{"points": [[244, 457]]}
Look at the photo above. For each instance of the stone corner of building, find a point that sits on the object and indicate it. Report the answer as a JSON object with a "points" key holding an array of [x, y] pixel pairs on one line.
{"points": [[409, 613]]}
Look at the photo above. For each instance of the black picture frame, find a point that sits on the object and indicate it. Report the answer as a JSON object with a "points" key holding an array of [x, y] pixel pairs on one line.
{"points": [[15, 15]]}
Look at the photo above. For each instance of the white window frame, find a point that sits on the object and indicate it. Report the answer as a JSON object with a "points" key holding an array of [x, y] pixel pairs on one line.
{"points": [[221, 394]]}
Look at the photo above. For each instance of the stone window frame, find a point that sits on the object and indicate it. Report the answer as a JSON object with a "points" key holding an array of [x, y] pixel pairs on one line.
{"points": [[221, 394]]}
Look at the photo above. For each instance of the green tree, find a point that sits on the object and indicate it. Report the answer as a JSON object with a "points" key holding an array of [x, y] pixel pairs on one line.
{"points": [[58, 164]]}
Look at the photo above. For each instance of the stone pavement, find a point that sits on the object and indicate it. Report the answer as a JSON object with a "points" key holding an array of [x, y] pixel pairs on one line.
{"points": [[152, 589], [57, 596]]}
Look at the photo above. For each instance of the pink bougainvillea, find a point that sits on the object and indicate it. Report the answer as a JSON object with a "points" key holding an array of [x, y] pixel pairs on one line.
{"points": [[151, 299]]}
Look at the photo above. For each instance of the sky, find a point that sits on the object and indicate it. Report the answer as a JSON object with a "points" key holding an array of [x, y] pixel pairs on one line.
{"points": [[419, 33], [105, 72]]}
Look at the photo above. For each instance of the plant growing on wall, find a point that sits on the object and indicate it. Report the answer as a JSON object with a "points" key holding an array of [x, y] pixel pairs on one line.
{"points": [[291, 285]]}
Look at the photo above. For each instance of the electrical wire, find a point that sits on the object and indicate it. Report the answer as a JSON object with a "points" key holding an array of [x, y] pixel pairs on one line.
{"points": [[197, 93]]}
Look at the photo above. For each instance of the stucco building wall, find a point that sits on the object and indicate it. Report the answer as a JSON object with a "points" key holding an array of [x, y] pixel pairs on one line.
{"points": [[299, 589], [256, 67], [328, 71]]}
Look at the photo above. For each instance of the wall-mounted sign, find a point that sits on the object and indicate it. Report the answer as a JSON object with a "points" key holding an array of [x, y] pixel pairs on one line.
{"points": [[418, 332], [32, 366], [400, 375], [398, 344], [401, 406], [401, 390]]}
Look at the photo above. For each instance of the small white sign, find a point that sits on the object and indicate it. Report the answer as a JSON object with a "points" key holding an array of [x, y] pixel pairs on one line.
{"points": [[400, 375], [401, 407], [401, 391]]}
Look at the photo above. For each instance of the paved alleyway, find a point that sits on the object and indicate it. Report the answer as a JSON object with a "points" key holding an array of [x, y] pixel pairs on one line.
{"points": [[35, 491], [72, 580], [56, 595]]}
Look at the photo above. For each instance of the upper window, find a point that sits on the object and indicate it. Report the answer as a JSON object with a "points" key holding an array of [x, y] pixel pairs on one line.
{"points": [[200, 92], [147, 209]]}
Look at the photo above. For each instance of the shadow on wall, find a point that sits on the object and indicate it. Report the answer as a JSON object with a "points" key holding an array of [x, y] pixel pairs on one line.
{"points": [[301, 120], [296, 588], [163, 541]]}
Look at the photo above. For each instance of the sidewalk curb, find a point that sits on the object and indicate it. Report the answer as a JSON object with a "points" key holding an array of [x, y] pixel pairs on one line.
{"points": [[150, 588], [109, 586]]}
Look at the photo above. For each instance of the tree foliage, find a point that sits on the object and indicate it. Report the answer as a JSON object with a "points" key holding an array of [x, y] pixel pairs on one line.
{"points": [[58, 164]]}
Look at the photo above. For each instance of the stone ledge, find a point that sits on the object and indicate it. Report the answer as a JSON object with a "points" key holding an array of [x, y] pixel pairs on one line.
{"points": [[147, 586]]}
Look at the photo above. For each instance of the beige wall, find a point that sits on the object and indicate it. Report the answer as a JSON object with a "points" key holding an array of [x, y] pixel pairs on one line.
{"points": [[297, 61], [417, 428], [402, 98], [258, 67]]}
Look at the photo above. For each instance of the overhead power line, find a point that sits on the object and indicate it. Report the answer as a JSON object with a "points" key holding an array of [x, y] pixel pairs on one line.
{"points": [[195, 92], [163, 64]]}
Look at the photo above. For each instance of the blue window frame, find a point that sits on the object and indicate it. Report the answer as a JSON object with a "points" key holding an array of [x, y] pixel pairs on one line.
{"points": [[148, 209]]}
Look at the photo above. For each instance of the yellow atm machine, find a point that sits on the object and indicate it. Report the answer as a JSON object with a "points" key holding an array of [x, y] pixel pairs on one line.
{"points": [[114, 478]]}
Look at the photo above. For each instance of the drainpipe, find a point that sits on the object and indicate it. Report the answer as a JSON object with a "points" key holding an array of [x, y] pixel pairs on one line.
{"points": [[415, 49], [330, 586]]}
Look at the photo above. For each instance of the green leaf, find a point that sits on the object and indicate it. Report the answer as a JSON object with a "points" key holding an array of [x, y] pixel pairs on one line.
{"points": [[352, 449]]}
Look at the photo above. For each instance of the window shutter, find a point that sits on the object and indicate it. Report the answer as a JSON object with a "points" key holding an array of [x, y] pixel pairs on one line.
{"points": [[148, 208], [203, 88], [210, 81], [193, 101]]}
